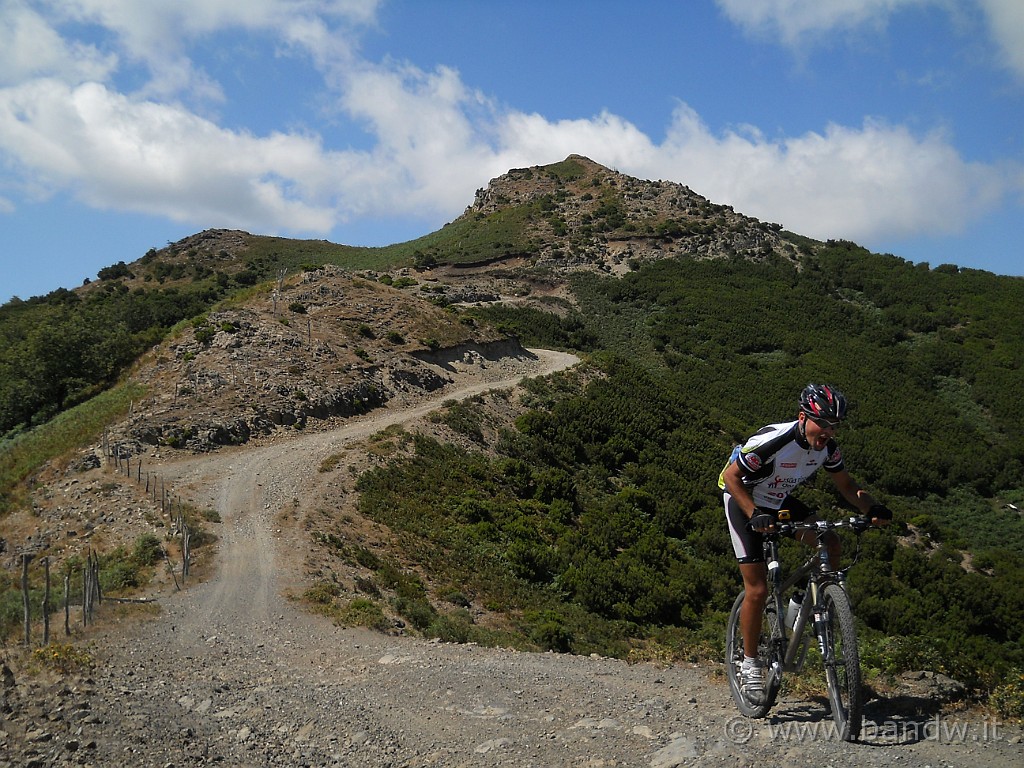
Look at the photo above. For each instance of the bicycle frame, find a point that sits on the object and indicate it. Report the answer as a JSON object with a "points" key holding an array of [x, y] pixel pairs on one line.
{"points": [[826, 607], [817, 571]]}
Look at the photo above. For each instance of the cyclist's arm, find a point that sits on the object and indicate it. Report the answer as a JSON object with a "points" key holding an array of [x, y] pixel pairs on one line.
{"points": [[733, 479], [853, 493]]}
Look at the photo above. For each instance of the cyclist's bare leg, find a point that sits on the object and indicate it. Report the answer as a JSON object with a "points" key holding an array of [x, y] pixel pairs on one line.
{"points": [[755, 583]]}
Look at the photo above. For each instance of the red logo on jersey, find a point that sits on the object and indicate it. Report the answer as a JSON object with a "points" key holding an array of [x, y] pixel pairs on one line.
{"points": [[836, 455], [789, 464], [752, 460]]}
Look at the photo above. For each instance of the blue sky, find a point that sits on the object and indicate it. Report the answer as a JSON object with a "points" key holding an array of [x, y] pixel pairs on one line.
{"points": [[125, 125]]}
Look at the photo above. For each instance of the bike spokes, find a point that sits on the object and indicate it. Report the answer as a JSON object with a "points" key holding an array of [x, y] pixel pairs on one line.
{"points": [[842, 662]]}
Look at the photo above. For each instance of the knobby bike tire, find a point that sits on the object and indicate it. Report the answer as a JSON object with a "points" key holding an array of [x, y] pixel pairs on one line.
{"points": [[842, 663], [734, 659]]}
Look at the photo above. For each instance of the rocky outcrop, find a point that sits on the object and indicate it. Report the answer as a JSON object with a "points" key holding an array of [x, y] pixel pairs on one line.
{"points": [[201, 432], [329, 345], [475, 354], [595, 217]]}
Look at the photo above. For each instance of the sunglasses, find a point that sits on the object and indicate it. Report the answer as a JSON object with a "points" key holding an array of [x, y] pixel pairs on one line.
{"points": [[824, 423]]}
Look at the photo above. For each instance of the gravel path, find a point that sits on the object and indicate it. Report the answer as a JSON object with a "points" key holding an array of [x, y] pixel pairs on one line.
{"points": [[231, 673]]}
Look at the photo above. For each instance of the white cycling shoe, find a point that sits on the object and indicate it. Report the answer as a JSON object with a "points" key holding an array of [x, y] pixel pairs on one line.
{"points": [[752, 680]]}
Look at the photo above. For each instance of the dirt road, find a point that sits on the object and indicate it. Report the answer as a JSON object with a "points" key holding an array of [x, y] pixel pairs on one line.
{"points": [[231, 673]]}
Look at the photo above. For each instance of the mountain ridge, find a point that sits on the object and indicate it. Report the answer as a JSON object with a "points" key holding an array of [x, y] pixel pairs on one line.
{"points": [[575, 214], [587, 491]]}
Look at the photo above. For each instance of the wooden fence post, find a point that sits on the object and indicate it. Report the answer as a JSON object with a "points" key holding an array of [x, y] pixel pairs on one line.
{"points": [[25, 558], [170, 567], [67, 604], [46, 603], [85, 593], [186, 549], [91, 594], [96, 579]]}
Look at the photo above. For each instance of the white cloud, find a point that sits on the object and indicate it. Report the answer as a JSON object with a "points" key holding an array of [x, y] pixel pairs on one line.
{"points": [[1006, 22], [438, 141], [792, 20], [606, 138], [114, 152], [859, 183], [435, 140], [163, 25], [30, 47], [795, 21], [156, 33]]}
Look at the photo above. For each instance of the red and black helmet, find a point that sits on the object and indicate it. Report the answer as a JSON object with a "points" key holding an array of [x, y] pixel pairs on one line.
{"points": [[822, 401]]}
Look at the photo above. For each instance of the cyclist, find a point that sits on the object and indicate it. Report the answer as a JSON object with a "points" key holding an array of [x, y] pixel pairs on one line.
{"points": [[756, 483]]}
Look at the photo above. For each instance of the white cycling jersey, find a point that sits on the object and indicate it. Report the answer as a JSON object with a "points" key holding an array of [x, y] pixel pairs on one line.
{"points": [[777, 459]]}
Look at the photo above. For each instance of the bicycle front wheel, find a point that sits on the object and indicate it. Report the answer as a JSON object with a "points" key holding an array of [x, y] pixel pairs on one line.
{"points": [[842, 663], [734, 659]]}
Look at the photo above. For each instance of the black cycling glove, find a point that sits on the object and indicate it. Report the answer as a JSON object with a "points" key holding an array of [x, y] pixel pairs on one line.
{"points": [[762, 519], [880, 512]]}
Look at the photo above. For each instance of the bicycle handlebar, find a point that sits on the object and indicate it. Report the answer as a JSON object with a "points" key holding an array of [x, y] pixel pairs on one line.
{"points": [[856, 523]]}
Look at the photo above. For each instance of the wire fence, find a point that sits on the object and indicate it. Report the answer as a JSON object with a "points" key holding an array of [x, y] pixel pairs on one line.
{"points": [[82, 586]]}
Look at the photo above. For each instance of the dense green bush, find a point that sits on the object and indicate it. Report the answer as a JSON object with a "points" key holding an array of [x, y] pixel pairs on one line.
{"points": [[604, 502], [361, 612]]}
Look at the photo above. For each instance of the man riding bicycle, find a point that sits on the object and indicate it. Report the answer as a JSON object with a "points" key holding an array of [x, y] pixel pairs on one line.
{"points": [[756, 484]]}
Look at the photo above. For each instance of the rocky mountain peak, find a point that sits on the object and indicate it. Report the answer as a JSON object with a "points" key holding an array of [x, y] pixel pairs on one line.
{"points": [[579, 213]]}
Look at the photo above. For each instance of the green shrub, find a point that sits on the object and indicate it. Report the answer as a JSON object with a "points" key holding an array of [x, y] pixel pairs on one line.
{"points": [[64, 658], [367, 558], [361, 612], [420, 613], [322, 593], [147, 550], [205, 334], [118, 576], [367, 586], [1008, 698], [548, 630], [456, 627]]}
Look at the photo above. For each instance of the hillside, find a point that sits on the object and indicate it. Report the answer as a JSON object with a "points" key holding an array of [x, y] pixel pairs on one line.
{"points": [[579, 512], [523, 238], [234, 671]]}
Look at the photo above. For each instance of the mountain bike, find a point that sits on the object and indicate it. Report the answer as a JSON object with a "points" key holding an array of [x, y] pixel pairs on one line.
{"points": [[824, 609]]}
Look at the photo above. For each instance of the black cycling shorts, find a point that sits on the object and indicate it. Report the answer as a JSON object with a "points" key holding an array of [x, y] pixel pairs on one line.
{"points": [[748, 544]]}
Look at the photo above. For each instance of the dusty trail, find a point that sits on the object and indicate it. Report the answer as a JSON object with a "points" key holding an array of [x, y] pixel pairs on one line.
{"points": [[247, 487], [231, 673]]}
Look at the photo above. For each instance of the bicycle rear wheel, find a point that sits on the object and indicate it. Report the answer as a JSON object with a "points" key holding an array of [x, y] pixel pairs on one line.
{"points": [[734, 659], [842, 663]]}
